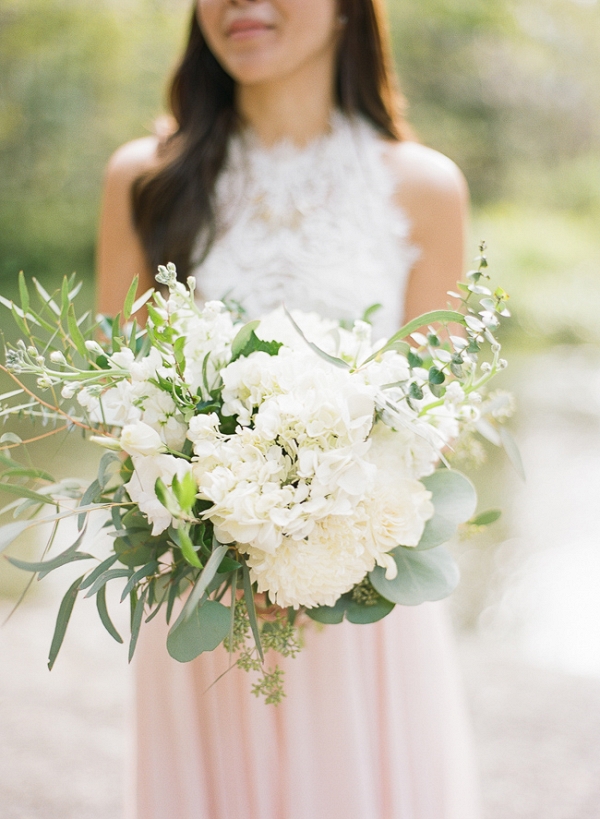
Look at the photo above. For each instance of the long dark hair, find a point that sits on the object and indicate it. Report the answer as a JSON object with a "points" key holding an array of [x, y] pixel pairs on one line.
{"points": [[173, 203]]}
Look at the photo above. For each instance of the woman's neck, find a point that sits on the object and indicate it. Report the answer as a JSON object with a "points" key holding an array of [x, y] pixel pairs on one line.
{"points": [[297, 107]]}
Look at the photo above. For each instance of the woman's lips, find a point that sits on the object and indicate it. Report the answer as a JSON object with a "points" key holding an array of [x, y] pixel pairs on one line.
{"points": [[246, 29]]}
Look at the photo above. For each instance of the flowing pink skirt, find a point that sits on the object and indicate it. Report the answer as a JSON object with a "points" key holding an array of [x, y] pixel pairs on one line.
{"points": [[373, 727]]}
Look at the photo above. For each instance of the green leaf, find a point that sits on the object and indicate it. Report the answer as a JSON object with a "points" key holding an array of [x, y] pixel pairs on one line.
{"points": [[75, 333], [90, 495], [167, 498], [241, 339], [422, 576], [436, 376], [48, 566], [25, 472], [205, 578], [106, 564], [23, 292], [10, 438], [486, 518], [104, 615], [252, 343], [145, 571], [512, 452], [354, 612], [62, 620], [64, 300], [362, 615], [130, 298], [443, 316], [331, 359], [454, 499], [11, 532], [106, 461], [46, 297], [24, 492], [138, 548], [183, 540], [185, 490], [204, 629], [250, 605], [228, 564], [329, 615], [105, 577], [136, 622], [370, 311]]}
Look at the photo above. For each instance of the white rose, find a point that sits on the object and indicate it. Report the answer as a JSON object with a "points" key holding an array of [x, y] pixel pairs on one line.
{"points": [[141, 439]]}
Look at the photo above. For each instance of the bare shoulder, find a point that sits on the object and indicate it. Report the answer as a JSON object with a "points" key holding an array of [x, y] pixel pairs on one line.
{"points": [[132, 159], [425, 178]]}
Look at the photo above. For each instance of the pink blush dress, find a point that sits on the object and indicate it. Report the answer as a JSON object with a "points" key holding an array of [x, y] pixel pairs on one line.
{"points": [[374, 724]]}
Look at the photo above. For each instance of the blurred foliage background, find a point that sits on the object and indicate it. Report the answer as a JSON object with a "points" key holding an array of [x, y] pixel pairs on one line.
{"points": [[507, 88]]}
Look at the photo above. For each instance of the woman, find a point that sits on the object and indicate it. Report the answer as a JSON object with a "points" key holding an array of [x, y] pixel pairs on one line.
{"points": [[289, 177]]}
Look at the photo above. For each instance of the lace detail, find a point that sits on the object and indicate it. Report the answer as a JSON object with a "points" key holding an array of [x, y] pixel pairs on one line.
{"points": [[315, 228]]}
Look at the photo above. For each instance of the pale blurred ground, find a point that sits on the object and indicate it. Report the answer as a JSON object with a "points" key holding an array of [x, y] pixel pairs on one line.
{"points": [[529, 638]]}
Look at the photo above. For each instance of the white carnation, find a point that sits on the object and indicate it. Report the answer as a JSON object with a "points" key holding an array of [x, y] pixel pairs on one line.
{"points": [[315, 571]]}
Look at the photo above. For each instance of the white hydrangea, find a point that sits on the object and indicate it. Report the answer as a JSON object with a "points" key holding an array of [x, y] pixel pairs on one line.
{"points": [[208, 338]]}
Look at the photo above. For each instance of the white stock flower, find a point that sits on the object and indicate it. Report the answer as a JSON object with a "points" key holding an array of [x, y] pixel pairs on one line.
{"points": [[141, 439], [141, 485]]}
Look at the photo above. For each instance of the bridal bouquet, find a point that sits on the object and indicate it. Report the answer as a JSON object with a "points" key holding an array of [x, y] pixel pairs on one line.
{"points": [[254, 471]]}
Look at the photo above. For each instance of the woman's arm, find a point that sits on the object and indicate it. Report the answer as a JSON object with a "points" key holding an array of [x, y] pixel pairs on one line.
{"points": [[120, 255], [433, 193]]}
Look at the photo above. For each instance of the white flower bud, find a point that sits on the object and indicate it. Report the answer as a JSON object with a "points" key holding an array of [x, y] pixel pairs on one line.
{"points": [[191, 283], [503, 364], [57, 357], [141, 439], [486, 367], [68, 391], [94, 347]]}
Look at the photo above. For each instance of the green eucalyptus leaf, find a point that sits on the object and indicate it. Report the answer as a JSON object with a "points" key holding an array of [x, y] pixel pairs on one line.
{"points": [[106, 564], [24, 492], [105, 577], [106, 461], [251, 606], [139, 548], [24, 472], [204, 629], [422, 576], [47, 566], [454, 500], [205, 578], [145, 571], [354, 612], [362, 615], [182, 539], [228, 564], [62, 621], [104, 615], [329, 615], [136, 622]]}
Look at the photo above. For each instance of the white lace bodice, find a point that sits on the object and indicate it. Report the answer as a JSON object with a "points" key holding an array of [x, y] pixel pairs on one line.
{"points": [[315, 228]]}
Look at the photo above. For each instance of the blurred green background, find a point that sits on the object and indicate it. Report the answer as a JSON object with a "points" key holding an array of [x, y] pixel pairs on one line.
{"points": [[507, 88]]}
